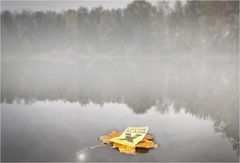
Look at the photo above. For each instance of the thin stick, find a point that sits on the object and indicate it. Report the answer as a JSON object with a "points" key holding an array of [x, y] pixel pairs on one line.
{"points": [[90, 148]]}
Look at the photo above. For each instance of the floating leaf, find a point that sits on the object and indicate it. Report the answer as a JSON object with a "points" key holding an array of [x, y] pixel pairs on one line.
{"points": [[105, 139], [131, 136], [148, 137], [146, 143], [127, 149]]}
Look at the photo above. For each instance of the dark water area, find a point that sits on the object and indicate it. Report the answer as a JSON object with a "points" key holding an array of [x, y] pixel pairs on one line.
{"points": [[51, 109]]}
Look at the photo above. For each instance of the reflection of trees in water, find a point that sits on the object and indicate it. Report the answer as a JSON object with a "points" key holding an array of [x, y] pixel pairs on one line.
{"points": [[205, 89]]}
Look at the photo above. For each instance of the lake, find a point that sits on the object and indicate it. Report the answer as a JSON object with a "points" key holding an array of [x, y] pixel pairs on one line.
{"points": [[53, 108]]}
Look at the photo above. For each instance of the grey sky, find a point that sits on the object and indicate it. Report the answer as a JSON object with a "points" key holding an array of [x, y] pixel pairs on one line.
{"points": [[61, 5]]}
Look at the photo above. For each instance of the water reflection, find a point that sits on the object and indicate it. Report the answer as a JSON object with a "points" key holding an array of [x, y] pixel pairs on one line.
{"points": [[204, 88], [81, 157]]}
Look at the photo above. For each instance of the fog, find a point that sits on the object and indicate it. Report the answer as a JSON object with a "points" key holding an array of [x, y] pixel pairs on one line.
{"points": [[173, 63], [140, 29]]}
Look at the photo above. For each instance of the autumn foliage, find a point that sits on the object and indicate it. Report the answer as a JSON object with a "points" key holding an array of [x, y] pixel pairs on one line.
{"points": [[146, 143]]}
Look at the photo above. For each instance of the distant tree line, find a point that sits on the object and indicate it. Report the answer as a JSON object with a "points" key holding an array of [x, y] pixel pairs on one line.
{"points": [[139, 29]]}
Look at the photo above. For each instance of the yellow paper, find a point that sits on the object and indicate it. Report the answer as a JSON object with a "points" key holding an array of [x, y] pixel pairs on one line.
{"points": [[131, 136]]}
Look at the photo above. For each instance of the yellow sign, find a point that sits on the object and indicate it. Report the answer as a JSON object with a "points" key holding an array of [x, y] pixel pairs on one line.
{"points": [[131, 136]]}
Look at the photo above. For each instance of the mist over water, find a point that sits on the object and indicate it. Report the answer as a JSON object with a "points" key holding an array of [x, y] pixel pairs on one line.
{"points": [[120, 90], [69, 77]]}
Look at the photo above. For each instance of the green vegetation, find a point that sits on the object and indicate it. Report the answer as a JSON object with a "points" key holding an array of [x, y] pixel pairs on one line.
{"points": [[138, 29]]}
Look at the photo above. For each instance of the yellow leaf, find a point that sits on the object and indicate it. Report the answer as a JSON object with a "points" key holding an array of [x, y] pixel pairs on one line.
{"points": [[131, 136], [146, 143], [148, 137], [105, 139], [127, 149]]}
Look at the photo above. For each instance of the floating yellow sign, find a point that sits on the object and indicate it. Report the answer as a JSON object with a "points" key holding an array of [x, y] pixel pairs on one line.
{"points": [[131, 136]]}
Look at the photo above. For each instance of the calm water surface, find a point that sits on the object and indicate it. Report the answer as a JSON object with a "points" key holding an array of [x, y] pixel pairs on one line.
{"points": [[52, 109]]}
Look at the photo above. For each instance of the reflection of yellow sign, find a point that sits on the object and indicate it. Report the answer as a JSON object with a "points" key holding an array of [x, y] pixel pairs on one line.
{"points": [[131, 136]]}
